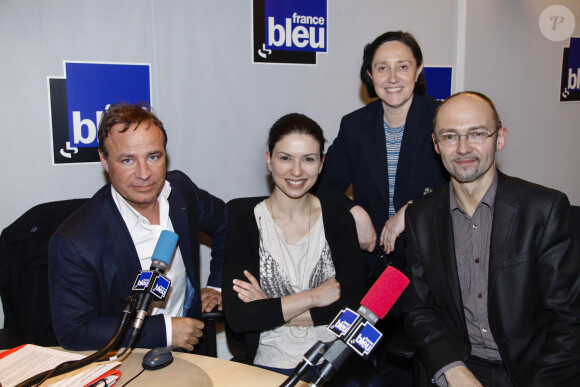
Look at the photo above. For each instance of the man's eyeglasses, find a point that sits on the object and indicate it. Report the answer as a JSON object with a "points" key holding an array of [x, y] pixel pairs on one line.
{"points": [[475, 137]]}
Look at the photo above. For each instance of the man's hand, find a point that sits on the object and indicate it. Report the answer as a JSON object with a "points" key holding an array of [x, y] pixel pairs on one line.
{"points": [[249, 291], [367, 236], [186, 332], [210, 298], [461, 376], [393, 229]]}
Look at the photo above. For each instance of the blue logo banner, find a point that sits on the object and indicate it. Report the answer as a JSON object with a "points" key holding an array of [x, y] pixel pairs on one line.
{"points": [[574, 53], [78, 100], [90, 87], [298, 25], [438, 81], [289, 31], [570, 81]]}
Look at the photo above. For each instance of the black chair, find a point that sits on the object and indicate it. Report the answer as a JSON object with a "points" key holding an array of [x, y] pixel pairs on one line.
{"points": [[208, 343], [399, 346], [24, 278], [575, 214]]}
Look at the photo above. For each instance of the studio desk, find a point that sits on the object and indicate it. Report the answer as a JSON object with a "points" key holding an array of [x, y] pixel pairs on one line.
{"points": [[188, 370]]}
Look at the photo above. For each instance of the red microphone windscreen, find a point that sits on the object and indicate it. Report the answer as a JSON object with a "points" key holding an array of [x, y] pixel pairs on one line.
{"points": [[385, 292]]}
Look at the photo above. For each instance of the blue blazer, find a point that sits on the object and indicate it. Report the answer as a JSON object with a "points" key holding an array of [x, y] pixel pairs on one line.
{"points": [[93, 264], [533, 284], [358, 155]]}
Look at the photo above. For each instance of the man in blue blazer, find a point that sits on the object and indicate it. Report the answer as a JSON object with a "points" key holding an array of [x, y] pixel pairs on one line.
{"points": [[494, 298], [96, 254]]}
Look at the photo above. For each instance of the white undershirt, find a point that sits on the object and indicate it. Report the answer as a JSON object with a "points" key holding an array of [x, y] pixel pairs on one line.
{"points": [[145, 237], [286, 269]]}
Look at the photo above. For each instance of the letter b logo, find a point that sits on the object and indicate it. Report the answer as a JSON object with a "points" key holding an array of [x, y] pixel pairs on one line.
{"points": [[84, 130]]}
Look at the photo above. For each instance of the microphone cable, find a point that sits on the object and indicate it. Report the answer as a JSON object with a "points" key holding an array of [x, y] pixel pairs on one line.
{"points": [[65, 367]]}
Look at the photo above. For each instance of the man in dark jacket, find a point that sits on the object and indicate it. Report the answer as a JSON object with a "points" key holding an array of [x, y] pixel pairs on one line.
{"points": [[96, 254], [494, 298]]}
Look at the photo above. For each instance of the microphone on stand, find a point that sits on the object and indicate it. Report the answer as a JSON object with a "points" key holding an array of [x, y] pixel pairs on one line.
{"points": [[356, 330], [151, 283], [311, 357]]}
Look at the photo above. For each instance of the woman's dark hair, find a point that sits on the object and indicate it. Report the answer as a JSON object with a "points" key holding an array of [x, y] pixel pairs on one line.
{"points": [[295, 123], [371, 48], [128, 115]]}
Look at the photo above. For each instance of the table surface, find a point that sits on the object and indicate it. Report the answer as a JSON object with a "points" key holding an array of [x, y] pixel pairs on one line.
{"points": [[229, 373], [193, 370]]}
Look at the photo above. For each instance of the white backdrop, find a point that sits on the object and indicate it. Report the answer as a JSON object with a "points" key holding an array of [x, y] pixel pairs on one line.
{"points": [[217, 106]]}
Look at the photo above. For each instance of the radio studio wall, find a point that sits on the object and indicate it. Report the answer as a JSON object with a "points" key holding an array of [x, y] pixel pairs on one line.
{"points": [[217, 104]]}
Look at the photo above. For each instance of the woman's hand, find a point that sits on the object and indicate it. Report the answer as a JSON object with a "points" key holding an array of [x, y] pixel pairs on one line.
{"points": [[296, 307], [249, 291], [392, 230], [326, 293]]}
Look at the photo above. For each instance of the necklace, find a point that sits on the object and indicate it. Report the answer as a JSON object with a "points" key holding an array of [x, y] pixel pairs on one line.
{"points": [[393, 133], [301, 331]]}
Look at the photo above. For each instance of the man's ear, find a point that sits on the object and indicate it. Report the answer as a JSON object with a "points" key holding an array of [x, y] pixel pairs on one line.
{"points": [[435, 143], [501, 138], [104, 162]]}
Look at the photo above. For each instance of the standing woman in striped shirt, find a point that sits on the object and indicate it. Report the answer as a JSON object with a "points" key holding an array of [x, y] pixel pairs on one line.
{"points": [[385, 150]]}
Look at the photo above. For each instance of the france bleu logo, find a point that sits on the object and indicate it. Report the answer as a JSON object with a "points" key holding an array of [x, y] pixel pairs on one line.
{"points": [[142, 280], [364, 339], [570, 83], [78, 99], [342, 323], [152, 282], [289, 31], [160, 287]]}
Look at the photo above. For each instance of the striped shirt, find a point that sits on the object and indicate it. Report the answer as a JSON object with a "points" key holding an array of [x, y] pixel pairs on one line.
{"points": [[393, 138]]}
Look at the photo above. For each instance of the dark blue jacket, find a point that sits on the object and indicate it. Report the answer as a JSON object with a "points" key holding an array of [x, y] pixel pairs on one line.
{"points": [[358, 155], [93, 264]]}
